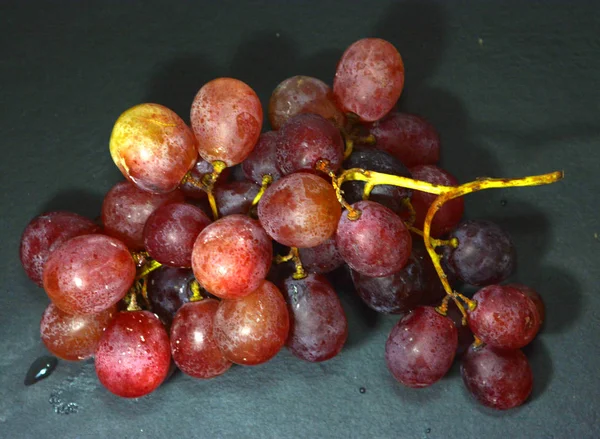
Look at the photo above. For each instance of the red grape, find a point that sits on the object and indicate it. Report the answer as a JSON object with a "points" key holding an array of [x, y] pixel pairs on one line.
{"points": [[192, 344], [45, 233], [126, 208], [200, 169], [133, 357], [263, 159], [497, 378], [302, 94], [168, 290], [323, 258], [300, 210], [88, 274], [369, 79], [232, 256], [235, 197], [485, 254], [153, 147], [170, 233], [449, 215], [535, 297], [227, 119], [318, 326], [304, 140], [409, 138], [73, 337], [504, 317], [251, 330], [415, 284], [378, 161], [376, 244], [421, 347]]}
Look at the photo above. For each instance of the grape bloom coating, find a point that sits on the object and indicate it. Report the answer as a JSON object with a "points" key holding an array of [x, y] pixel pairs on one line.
{"points": [[153, 147]]}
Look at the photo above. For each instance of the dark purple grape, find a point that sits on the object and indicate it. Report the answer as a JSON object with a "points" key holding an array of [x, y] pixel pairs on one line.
{"points": [[47, 232], [170, 233], [497, 378], [465, 336], [504, 317], [263, 159], [318, 325], [485, 254], [168, 290], [304, 140], [414, 285], [322, 259], [235, 197], [376, 244], [421, 347], [378, 161]]}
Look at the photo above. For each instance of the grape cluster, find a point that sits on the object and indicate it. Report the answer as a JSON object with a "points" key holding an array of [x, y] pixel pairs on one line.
{"points": [[187, 266]]}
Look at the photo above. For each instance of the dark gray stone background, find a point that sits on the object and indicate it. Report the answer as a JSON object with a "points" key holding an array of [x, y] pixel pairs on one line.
{"points": [[513, 89]]}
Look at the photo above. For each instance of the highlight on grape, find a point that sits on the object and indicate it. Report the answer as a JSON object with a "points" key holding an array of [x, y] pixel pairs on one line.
{"points": [[186, 268]]}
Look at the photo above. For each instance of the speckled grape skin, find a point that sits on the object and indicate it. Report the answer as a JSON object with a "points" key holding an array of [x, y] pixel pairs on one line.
{"points": [[421, 347], [378, 161], [535, 297], [88, 274], [235, 197], [318, 325], [415, 284], [73, 337], [153, 147], [232, 256], [504, 317], [192, 344], [485, 254], [227, 119], [497, 378], [369, 79], [263, 159], [170, 233], [45, 233], [304, 140], [134, 355], [323, 258], [300, 210], [253, 329], [376, 244], [126, 209], [408, 137], [449, 215], [302, 94]]}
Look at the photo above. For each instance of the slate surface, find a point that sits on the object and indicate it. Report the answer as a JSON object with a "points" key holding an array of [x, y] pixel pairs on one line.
{"points": [[513, 89]]}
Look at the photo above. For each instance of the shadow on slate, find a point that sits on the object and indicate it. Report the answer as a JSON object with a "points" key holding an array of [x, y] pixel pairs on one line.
{"points": [[88, 204], [541, 365]]}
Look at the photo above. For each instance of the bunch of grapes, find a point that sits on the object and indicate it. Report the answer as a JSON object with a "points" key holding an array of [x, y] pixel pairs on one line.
{"points": [[190, 266]]}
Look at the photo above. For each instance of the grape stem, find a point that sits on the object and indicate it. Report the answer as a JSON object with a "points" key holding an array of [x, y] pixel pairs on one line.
{"points": [[196, 292], [411, 211], [133, 305], [323, 166], [293, 255], [266, 182], [207, 184]]}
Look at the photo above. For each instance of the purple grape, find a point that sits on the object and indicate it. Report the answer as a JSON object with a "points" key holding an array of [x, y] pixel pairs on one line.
{"points": [[235, 197], [322, 259], [263, 159]]}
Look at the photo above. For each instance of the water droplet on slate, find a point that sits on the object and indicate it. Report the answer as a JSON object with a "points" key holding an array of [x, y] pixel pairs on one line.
{"points": [[503, 202], [40, 369], [362, 390], [428, 431]]}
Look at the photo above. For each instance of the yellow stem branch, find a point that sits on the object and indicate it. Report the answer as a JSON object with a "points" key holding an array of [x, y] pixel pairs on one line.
{"points": [[266, 182]]}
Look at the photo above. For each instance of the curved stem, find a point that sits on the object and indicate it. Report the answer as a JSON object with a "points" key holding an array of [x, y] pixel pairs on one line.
{"points": [[266, 182], [148, 268], [323, 166], [411, 211], [207, 184], [299, 273], [196, 291]]}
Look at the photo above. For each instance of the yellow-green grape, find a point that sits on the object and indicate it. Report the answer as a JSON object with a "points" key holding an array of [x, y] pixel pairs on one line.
{"points": [[153, 147]]}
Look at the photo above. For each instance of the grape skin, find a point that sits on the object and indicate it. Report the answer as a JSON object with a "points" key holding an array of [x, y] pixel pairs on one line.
{"points": [[376, 244], [321, 259], [253, 329], [227, 119], [504, 317], [535, 297], [497, 378], [263, 159], [300, 210], [170, 233], [232, 256], [369, 79], [153, 147], [318, 325], [88, 274], [421, 347], [44, 234], [134, 355], [168, 290], [126, 209], [235, 197], [73, 337]]}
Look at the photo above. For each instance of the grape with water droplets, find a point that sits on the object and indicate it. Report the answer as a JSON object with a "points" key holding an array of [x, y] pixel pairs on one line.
{"points": [[535, 297]]}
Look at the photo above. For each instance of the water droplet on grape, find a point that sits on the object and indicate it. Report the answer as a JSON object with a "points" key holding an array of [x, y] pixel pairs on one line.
{"points": [[40, 369]]}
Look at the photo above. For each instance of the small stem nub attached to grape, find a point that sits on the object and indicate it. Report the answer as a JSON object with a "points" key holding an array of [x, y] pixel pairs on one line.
{"points": [[196, 291], [300, 273], [266, 182]]}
